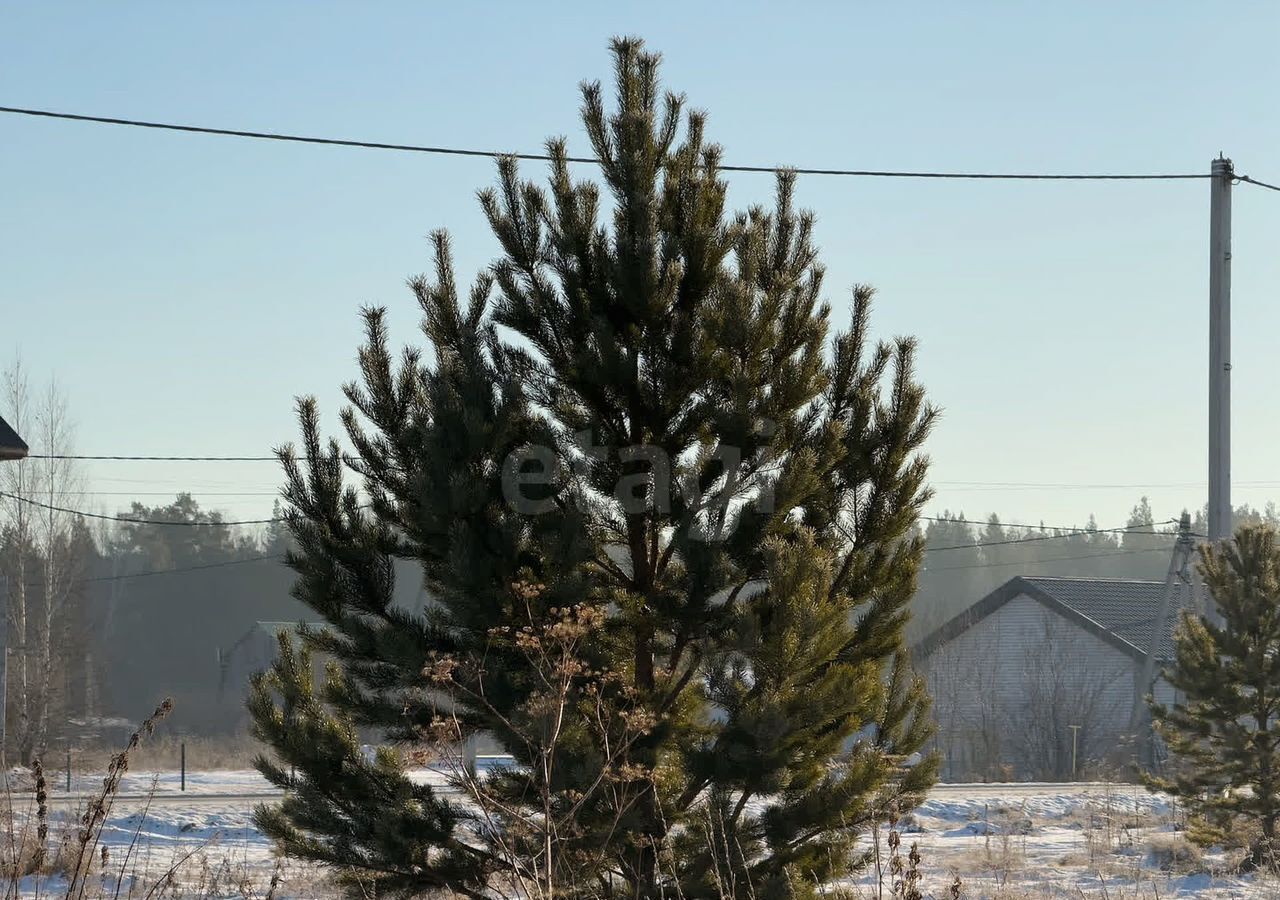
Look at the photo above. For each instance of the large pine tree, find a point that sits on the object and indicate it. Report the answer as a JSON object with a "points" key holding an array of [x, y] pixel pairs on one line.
{"points": [[1224, 729], [665, 522]]}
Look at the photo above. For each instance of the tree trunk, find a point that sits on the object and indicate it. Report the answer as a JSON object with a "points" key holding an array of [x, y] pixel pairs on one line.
{"points": [[58, 482], [1262, 855], [44, 650], [652, 830], [18, 650]]}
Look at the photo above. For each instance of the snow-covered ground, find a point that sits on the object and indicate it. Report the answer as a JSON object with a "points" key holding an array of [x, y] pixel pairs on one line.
{"points": [[224, 781], [1011, 841], [1057, 841]]}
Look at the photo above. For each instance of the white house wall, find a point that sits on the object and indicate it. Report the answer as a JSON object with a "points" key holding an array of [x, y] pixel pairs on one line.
{"points": [[1007, 689]]}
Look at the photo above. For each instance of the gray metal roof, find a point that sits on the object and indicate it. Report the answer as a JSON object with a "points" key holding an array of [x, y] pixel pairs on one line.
{"points": [[275, 628], [1125, 608], [1119, 611]]}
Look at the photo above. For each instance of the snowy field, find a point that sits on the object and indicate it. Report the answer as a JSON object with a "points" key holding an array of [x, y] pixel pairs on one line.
{"points": [[1003, 841]]}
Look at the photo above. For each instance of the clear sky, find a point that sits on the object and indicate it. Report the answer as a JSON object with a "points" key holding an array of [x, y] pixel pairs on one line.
{"points": [[184, 289]]}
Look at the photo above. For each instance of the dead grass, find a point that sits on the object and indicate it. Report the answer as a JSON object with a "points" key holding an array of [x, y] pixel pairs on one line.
{"points": [[1172, 852], [49, 855], [204, 754]]}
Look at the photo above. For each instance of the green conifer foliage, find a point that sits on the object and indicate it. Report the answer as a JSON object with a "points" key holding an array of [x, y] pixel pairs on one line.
{"points": [[1224, 729], [665, 519]]}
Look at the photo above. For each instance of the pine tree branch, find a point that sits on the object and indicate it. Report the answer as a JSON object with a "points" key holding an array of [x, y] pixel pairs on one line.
{"points": [[665, 559], [611, 568], [692, 792]]}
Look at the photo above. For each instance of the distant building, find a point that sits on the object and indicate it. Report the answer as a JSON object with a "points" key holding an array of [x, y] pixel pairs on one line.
{"points": [[254, 652], [1012, 674], [259, 647]]}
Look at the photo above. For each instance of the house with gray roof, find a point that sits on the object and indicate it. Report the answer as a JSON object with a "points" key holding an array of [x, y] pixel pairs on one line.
{"points": [[1037, 680]]}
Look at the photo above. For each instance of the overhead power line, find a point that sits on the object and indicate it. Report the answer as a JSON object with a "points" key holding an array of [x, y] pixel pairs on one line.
{"points": [[1042, 526], [280, 556], [150, 572], [1055, 485], [1261, 184], [1083, 485], [193, 492], [1028, 563], [175, 571], [155, 458], [954, 485], [543, 157], [1058, 535], [129, 521], [1065, 485], [1060, 532]]}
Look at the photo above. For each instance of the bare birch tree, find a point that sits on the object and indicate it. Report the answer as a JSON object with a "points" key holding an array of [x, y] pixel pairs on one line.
{"points": [[21, 481], [45, 560], [964, 682], [64, 562], [1065, 683]]}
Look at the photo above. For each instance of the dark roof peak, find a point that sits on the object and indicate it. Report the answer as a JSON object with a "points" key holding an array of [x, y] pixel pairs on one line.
{"points": [[1089, 578], [11, 446], [1120, 611]]}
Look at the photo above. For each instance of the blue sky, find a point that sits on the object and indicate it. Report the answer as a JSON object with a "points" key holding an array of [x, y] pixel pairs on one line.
{"points": [[184, 289]]}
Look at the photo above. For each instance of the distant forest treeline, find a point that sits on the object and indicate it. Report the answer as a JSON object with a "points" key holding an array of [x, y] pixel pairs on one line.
{"points": [[966, 562], [103, 618], [145, 609], [138, 613]]}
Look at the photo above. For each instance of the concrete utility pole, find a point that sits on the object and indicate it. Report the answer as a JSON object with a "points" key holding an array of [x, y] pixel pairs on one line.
{"points": [[1220, 349]]}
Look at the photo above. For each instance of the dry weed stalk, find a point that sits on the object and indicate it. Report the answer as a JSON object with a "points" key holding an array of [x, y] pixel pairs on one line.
{"points": [[95, 815], [532, 836], [911, 877], [42, 818], [895, 857], [80, 852], [905, 875]]}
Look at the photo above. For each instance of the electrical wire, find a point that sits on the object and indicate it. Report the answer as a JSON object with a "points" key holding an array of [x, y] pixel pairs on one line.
{"points": [[150, 572], [543, 157], [183, 485], [1061, 535], [1042, 527], [1261, 184], [155, 458], [172, 492], [995, 485], [1065, 484], [1060, 531], [1028, 563], [1078, 485], [279, 556], [194, 492], [127, 521], [35, 585]]}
